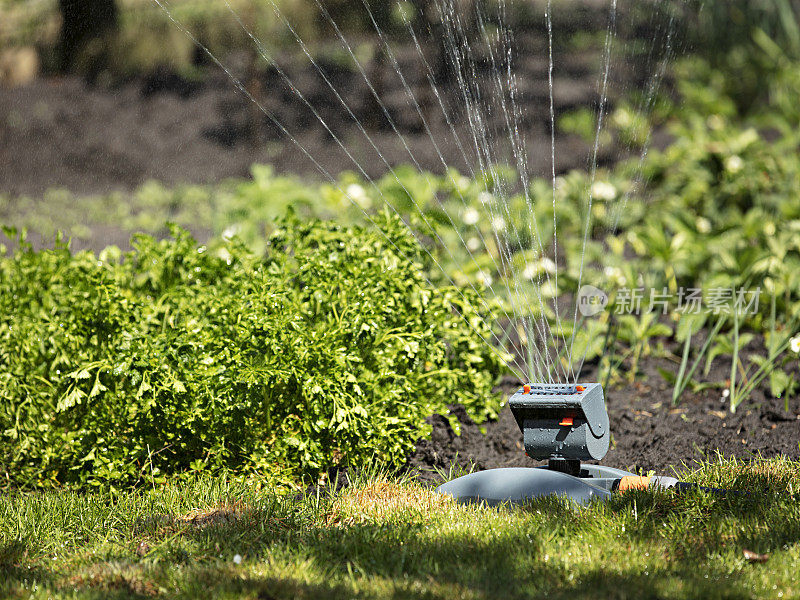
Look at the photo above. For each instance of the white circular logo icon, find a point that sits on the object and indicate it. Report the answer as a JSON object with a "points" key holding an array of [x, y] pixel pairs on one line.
{"points": [[591, 300]]}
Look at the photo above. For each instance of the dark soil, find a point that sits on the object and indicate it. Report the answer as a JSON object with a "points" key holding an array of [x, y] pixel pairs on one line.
{"points": [[63, 132], [648, 432]]}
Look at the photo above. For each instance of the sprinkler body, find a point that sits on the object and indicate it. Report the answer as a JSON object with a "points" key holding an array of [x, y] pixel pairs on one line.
{"points": [[563, 424]]}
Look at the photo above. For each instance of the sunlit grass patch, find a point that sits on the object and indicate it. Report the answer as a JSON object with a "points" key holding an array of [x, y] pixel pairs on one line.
{"points": [[384, 500]]}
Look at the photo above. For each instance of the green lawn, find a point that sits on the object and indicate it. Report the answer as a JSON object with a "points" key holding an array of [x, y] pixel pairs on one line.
{"points": [[391, 538]]}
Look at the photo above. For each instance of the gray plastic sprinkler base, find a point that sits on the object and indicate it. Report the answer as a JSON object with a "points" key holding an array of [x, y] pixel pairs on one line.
{"points": [[519, 485]]}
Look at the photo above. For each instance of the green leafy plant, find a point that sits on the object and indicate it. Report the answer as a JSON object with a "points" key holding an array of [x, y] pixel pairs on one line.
{"points": [[329, 350]]}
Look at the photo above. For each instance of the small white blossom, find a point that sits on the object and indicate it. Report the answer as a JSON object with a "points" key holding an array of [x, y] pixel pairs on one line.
{"points": [[473, 244], [498, 224], [615, 274], [734, 163], [548, 289], [237, 559], [358, 194], [769, 228], [715, 122], [703, 225], [548, 266], [231, 231], [470, 216], [225, 255], [530, 271], [484, 278], [537, 267], [794, 344], [485, 198], [603, 190], [623, 118]]}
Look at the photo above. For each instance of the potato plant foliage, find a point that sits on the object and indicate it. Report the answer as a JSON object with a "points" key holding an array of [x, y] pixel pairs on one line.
{"points": [[331, 348]]}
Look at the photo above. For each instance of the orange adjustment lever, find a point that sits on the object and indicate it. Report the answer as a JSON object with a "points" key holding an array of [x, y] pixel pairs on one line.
{"points": [[526, 389], [566, 422], [631, 482]]}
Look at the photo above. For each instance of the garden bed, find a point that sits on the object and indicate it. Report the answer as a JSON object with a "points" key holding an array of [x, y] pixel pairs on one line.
{"points": [[62, 132], [649, 433]]}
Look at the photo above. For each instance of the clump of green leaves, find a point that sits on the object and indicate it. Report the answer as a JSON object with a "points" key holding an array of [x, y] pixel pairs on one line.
{"points": [[330, 348]]}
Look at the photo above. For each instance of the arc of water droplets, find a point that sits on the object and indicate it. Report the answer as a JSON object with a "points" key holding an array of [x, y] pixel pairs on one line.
{"points": [[534, 368], [472, 116], [647, 104], [601, 114], [360, 126], [333, 180], [412, 99], [481, 142], [518, 149], [550, 65]]}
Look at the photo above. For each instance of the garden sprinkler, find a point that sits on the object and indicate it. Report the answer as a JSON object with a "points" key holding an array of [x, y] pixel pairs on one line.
{"points": [[562, 424]]}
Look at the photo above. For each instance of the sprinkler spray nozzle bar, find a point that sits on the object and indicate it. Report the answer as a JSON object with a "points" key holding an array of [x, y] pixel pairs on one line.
{"points": [[562, 421]]}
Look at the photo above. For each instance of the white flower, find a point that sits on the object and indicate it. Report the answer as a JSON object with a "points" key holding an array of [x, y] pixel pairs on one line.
{"points": [[734, 163], [535, 268], [237, 559], [531, 270], [470, 216], [355, 191], [485, 198], [615, 274], [715, 122], [794, 344], [703, 225], [231, 231], [225, 255], [548, 289], [548, 266], [623, 118], [473, 244], [484, 278], [358, 194], [498, 224], [603, 190]]}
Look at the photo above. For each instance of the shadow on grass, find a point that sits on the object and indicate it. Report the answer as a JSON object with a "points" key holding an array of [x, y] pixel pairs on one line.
{"points": [[399, 559]]}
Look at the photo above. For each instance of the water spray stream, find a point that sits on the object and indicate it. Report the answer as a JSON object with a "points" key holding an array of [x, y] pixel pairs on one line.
{"points": [[593, 171], [325, 173]]}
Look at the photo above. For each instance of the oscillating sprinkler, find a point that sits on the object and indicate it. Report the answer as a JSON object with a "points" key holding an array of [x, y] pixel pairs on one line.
{"points": [[563, 424]]}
